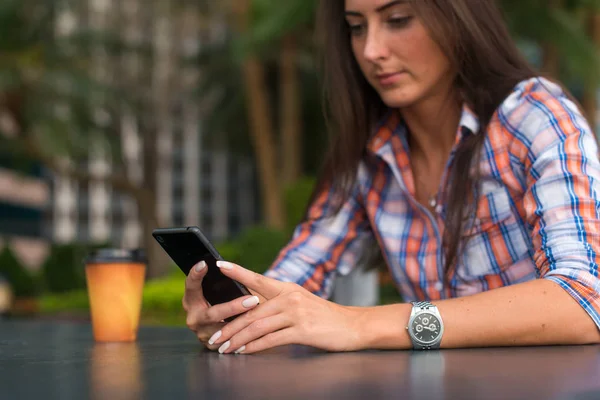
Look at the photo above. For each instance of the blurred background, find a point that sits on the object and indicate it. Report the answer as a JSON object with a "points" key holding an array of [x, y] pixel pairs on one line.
{"points": [[119, 116]]}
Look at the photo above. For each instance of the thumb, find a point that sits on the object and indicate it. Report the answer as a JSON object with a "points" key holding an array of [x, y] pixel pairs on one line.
{"points": [[193, 283], [198, 272]]}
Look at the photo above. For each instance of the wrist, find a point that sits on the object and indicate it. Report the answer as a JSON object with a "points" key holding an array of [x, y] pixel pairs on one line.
{"points": [[383, 327]]}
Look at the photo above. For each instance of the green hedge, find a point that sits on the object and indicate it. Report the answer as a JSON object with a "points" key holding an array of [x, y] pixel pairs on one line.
{"points": [[22, 282], [161, 302], [255, 249], [64, 270]]}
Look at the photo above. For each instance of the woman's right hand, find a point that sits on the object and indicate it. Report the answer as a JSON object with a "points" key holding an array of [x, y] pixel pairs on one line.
{"points": [[205, 320]]}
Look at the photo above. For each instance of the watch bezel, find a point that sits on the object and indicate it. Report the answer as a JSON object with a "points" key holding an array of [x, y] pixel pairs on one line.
{"points": [[412, 334]]}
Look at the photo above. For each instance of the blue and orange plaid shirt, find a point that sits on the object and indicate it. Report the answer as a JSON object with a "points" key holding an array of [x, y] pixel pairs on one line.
{"points": [[537, 212]]}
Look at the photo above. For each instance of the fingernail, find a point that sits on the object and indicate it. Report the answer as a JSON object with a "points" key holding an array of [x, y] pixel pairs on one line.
{"points": [[214, 338], [224, 265], [241, 349], [224, 347], [200, 266], [251, 302]]}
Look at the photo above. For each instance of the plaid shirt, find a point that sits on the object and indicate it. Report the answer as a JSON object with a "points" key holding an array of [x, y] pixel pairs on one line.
{"points": [[537, 213]]}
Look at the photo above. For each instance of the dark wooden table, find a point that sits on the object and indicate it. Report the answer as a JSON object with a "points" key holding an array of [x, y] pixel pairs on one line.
{"points": [[54, 360]]}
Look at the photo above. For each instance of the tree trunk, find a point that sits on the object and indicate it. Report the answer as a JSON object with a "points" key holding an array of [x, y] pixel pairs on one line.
{"points": [[147, 201], [158, 260], [261, 126], [291, 113]]}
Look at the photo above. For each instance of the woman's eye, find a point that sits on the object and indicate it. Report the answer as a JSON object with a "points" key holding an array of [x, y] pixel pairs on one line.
{"points": [[399, 22], [355, 29]]}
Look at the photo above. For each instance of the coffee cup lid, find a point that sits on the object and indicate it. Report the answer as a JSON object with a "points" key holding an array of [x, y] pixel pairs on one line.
{"points": [[104, 256]]}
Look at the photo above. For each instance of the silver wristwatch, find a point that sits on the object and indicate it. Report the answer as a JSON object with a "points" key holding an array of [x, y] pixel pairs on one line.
{"points": [[425, 326]]}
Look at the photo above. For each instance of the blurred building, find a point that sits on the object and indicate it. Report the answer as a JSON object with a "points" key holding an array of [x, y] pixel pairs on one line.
{"points": [[216, 194], [195, 185], [24, 196]]}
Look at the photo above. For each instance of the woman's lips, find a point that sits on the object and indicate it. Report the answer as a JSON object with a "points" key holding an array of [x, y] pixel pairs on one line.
{"points": [[389, 79]]}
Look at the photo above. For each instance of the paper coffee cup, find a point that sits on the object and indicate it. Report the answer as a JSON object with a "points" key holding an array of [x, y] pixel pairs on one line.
{"points": [[115, 282]]}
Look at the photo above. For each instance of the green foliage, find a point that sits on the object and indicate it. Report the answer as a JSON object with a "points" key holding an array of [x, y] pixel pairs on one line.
{"points": [[22, 282], [164, 296], [47, 85], [297, 196], [221, 86], [388, 294], [275, 19], [538, 22], [255, 249], [64, 270], [73, 302]]}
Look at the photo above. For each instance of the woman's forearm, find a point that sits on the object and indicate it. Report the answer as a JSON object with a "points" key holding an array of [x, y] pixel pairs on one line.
{"points": [[533, 313]]}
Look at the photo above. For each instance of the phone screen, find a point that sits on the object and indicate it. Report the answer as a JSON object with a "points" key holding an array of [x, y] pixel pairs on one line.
{"points": [[187, 249]]}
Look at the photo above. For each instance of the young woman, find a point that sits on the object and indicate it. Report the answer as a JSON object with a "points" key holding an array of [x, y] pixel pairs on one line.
{"points": [[477, 179]]}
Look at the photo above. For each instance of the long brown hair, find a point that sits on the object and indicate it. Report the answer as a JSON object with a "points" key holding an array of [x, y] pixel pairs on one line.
{"points": [[475, 39]]}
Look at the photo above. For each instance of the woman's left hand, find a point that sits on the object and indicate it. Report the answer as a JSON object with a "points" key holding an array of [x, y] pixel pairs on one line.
{"points": [[290, 315]]}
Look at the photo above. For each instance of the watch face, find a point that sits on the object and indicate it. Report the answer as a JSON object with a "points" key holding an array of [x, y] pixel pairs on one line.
{"points": [[426, 327]]}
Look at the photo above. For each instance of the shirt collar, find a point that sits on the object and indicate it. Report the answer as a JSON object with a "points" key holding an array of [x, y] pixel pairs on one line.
{"points": [[392, 122], [469, 120]]}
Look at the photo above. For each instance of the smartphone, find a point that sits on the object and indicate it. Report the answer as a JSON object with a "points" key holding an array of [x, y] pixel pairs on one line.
{"points": [[188, 246]]}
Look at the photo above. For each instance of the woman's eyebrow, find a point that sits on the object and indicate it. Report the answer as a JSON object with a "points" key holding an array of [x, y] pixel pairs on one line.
{"points": [[379, 9]]}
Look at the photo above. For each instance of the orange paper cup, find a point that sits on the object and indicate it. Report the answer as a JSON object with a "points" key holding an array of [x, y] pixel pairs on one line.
{"points": [[115, 282]]}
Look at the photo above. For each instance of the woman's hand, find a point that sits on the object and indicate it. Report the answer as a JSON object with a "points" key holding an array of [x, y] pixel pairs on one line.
{"points": [[202, 319], [290, 315]]}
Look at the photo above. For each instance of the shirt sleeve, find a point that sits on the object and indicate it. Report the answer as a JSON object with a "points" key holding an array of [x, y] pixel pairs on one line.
{"points": [[325, 244], [559, 154]]}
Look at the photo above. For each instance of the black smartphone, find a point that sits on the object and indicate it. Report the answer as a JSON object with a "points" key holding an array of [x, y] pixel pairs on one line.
{"points": [[188, 246]]}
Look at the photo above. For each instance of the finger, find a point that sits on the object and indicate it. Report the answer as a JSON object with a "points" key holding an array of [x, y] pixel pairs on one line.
{"points": [[261, 297], [211, 348], [255, 331], [266, 287], [201, 338], [279, 338], [193, 285], [205, 332], [265, 310], [221, 312]]}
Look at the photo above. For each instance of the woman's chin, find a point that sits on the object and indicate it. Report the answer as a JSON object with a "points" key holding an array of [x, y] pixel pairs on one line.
{"points": [[397, 99]]}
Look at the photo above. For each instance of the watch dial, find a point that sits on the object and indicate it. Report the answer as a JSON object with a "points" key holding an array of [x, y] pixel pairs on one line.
{"points": [[426, 327]]}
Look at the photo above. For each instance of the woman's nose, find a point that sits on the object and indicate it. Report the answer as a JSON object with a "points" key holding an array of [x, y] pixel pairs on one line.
{"points": [[375, 46]]}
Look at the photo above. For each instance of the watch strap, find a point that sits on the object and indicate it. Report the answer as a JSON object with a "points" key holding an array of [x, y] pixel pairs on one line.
{"points": [[424, 305]]}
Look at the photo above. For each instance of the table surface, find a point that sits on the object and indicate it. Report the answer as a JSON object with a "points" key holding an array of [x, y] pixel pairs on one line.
{"points": [[59, 360]]}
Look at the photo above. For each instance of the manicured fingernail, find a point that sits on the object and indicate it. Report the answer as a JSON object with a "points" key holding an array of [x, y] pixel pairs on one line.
{"points": [[241, 349], [224, 265], [200, 266], [214, 338], [251, 302], [224, 347]]}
